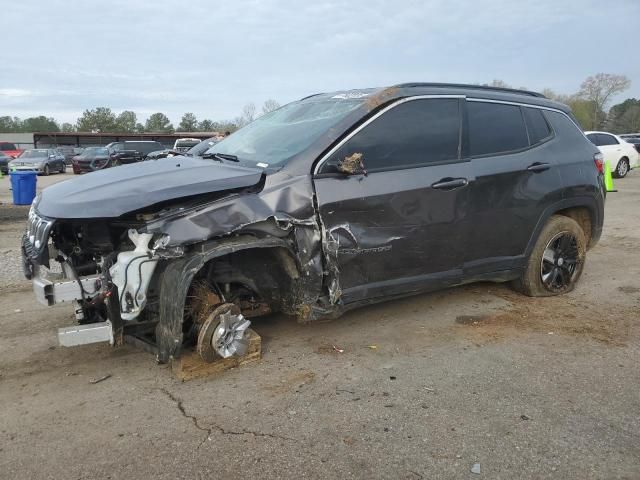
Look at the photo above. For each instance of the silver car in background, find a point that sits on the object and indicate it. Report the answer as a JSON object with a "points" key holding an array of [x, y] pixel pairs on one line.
{"points": [[40, 160]]}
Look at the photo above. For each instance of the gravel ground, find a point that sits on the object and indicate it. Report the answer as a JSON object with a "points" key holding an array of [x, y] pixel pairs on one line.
{"points": [[12, 225], [10, 265], [527, 388]]}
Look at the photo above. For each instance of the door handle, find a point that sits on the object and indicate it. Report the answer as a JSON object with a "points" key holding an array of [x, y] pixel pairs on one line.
{"points": [[450, 183], [538, 167]]}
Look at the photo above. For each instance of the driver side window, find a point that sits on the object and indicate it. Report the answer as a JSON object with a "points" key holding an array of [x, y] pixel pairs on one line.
{"points": [[413, 134]]}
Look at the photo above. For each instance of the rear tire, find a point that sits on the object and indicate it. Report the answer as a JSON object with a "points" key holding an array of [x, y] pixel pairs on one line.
{"points": [[63, 169], [622, 168], [556, 261]]}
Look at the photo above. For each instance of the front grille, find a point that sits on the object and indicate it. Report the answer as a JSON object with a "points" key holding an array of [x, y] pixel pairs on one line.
{"points": [[37, 234]]}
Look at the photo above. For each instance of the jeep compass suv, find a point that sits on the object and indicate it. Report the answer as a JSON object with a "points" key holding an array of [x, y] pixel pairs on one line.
{"points": [[331, 202]]}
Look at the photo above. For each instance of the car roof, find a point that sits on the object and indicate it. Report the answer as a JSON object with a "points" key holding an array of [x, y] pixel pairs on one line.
{"points": [[587, 132], [431, 88]]}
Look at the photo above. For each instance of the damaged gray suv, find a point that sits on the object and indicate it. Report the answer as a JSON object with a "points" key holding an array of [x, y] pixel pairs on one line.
{"points": [[331, 202]]}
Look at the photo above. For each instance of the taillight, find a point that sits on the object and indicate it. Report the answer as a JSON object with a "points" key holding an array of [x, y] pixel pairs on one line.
{"points": [[598, 159]]}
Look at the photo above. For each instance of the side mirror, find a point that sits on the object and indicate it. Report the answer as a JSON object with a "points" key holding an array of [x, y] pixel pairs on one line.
{"points": [[352, 165]]}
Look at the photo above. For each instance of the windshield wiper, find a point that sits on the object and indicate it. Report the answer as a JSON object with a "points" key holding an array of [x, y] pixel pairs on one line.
{"points": [[221, 156]]}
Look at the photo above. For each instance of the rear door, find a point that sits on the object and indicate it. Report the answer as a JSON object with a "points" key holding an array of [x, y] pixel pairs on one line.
{"points": [[516, 178], [400, 227]]}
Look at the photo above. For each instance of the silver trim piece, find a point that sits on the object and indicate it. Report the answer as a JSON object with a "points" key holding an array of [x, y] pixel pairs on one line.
{"points": [[85, 334], [49, 293], [421, 97], [37, 229], [541, 107]]}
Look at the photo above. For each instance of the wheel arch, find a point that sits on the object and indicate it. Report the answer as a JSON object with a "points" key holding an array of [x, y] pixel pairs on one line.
{"points": [[622, 158], [584, 210], [182, 271]]}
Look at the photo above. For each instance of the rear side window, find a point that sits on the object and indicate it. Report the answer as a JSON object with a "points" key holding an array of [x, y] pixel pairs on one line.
{"points": [[593, 138], [604, 139], [414, 133], [537, 126], [495, 128]]}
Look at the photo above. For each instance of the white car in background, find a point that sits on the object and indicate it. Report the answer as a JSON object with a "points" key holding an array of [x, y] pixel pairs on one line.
{"points": [[184, 144], [621, 155]]}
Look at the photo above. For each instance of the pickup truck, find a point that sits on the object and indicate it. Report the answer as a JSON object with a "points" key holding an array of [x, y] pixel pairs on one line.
{"points": [[10, 149]]}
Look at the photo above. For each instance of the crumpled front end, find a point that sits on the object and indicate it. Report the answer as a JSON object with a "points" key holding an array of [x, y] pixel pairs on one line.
{"points": [[153, 276], [101, 267]]}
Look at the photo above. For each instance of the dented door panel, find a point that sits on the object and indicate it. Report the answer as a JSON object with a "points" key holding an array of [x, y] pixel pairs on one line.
{"points": [[391, 230]]}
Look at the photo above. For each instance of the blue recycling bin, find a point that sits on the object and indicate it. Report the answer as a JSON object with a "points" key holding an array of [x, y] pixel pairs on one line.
{"points": [[23, 187]]}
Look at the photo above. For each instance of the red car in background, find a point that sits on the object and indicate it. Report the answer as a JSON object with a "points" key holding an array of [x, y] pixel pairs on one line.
{"points": [[10, 149]]}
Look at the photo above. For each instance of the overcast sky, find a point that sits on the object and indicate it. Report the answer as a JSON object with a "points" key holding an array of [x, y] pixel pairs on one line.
{"points": [[59, 57]]}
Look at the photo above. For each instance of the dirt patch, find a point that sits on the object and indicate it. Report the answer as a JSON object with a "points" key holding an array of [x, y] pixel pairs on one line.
{"points": [[553, 316], [374, 101], [328, 349], [629, 244], [292, 382], [471, 319], [628, 289]]}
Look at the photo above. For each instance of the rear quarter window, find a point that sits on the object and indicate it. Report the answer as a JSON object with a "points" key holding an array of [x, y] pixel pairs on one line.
{"points": [[593, 138], [537, 126], [495, 128], [565, 129], [604, 139]]}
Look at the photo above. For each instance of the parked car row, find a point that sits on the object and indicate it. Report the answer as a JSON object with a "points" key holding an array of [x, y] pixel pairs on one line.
{"points": [[114, 154], [195, 151], [125, 152], [89, 159]]}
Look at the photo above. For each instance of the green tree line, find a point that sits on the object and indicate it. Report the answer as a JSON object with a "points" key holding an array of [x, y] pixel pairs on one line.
{"points": [[590, 105], [103, 119]]}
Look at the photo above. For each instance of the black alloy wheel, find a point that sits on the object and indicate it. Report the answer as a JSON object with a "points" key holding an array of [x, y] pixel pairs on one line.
{"points": [[559, 262]]}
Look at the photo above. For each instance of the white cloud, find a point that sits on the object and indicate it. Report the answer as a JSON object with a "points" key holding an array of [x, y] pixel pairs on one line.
{"points": [[15, 92]]}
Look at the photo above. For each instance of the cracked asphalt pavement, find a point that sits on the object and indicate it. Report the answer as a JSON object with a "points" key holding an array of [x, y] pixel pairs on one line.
{"points": [[425, 387]]}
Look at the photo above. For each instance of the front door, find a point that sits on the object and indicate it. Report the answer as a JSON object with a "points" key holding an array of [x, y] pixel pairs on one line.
{"points": [[400, 227]]}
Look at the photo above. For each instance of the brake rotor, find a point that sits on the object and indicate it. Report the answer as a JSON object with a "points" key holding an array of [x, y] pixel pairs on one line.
{"points": [[223, 334]]}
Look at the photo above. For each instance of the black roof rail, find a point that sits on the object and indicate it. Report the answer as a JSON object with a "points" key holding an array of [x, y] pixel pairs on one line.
{"points": [[309, 96], [475, 87]]}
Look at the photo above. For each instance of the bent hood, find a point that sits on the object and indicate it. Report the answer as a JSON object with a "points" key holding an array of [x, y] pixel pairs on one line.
{"points": [[115, 191]]}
